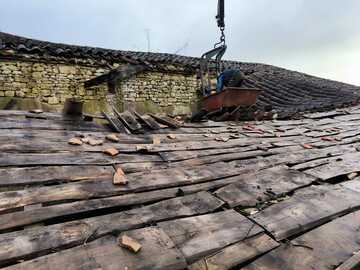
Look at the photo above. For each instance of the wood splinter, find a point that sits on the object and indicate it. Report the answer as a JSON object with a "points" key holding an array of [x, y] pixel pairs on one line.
{"points": [[129, 243]]}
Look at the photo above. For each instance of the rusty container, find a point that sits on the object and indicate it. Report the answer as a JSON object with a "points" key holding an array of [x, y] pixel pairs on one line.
{"points": [[231, 97]]}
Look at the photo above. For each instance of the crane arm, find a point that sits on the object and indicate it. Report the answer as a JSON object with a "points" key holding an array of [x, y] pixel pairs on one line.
{"points": [[221, 14]]}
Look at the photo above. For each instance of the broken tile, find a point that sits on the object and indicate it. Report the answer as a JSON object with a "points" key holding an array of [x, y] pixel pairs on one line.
{"points": [[156, 140], [142, 148], [75, 141], [129, 243], [111, 152], [85, 140], [94, 142], [171, 136], [327, 139], [307, 146], [112, 138], [120, 178]]}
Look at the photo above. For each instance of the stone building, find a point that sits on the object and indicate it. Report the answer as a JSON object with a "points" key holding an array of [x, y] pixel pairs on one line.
{"points": [[148, 82]]}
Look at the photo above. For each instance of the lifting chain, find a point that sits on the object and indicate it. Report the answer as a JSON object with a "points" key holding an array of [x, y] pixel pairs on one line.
{"points": [[222, 38]]}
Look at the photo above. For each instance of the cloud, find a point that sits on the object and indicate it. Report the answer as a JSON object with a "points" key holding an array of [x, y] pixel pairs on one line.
{"points": [[303, 35]]}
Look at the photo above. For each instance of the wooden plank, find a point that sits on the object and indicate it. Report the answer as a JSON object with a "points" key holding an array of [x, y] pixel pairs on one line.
{"points": [[342, 165], [239, 156], [55, 174], [228, 155], [184, 155], [72, 158], [158, 252], [138, 182], [129, 121], [307, 209], [57, 136], [323, 248], [236, 254], [324, 114], [38, 124], [351, 264], [302, 156], [316, 163], [40, 146], [348, 117], [52, 212], [255, 188], [30, 243], [165, 120], [198, 237], [115, 124], [148, 121]]}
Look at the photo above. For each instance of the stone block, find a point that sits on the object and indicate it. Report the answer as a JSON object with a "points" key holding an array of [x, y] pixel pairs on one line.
{"points": [[37, 75], [67, 69], [53, 100], [19, 94], [9, 93]]}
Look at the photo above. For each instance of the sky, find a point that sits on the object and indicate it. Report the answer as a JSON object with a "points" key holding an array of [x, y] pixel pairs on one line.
{"points": [[318, 37]]}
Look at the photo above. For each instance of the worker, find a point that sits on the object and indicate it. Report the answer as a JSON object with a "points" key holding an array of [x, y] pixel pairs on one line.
{"points": [[229, 78]]}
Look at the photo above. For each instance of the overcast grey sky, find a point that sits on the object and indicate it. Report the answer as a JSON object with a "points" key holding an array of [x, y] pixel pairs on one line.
{"points": [[319, 37]]}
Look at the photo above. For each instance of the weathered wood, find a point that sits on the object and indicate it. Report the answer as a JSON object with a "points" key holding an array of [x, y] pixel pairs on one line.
{"points": [[57, 136], [40, 146], [324, 114], [166, 121], [307, 209], [351, 264], [237, 254], [54, 174], [18, 219], [38, 124], [129, 121], [252, 189], [30, 243], [302, 156], [137, 182], [115, 124], [148, 121], [342, 165], [158, 252], [200, 160], [184, 155], [72, 158], [323, 248], [316, 163], [198, 237], [235, 156]]}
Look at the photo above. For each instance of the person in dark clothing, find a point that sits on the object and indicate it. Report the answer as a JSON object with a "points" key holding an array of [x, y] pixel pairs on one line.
{"points": [[229, 78]]}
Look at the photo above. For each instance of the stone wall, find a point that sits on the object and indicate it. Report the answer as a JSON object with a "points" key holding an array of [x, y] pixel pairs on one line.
{"points": [[52, 82], [159, 92], [49, 83]]}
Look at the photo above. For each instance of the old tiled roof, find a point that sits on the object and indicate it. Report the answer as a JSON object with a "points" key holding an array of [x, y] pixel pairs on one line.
{"points": [[285, 90]]}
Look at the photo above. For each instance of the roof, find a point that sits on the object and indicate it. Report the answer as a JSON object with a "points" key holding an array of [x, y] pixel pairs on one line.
{"points": [[287, 91], [263, 194]]}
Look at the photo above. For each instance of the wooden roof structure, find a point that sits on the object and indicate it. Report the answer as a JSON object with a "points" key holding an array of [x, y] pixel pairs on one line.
{"points": [[259, 195]]}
